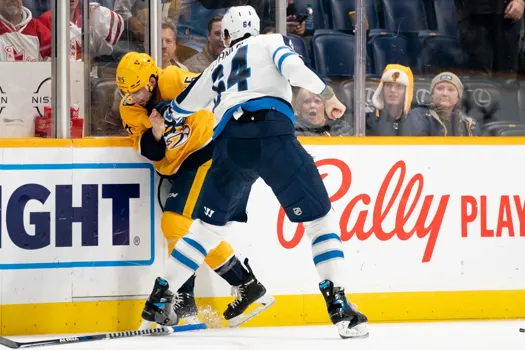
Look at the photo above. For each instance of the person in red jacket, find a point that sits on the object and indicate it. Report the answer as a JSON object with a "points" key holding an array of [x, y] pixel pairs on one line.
{"points": [[22, 38], [105, 28]]}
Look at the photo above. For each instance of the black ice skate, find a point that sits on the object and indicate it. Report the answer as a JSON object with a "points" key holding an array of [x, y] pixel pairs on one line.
{"points": [[248, 293], [159, 306], [185, 307], [350, 323]]}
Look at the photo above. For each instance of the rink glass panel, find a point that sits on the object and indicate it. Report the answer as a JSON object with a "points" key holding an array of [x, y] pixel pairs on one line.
{"points": [[103, 60], [25, 82], [481, 45], [182, 26]]}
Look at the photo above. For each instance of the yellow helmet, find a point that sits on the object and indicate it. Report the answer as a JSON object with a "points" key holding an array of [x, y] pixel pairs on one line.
{"points": [[134, 71]]}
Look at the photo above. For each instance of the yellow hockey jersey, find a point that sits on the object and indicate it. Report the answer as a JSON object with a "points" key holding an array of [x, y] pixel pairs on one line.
{"points": [[186, 139]]}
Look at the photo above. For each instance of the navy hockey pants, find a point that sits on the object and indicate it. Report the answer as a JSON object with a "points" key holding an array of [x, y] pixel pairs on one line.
{"points": [[240, 158]]}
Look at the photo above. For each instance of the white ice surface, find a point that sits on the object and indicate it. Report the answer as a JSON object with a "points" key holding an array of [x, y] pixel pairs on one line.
{"points": [[486, 335]]}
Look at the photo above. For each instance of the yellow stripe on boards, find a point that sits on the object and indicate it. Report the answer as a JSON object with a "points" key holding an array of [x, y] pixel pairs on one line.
{"points": [[91, 142], [411, 141], [288, 310]]}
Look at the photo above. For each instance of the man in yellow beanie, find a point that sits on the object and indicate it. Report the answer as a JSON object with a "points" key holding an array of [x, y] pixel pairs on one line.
{"points": [[444, 116], [392, 101]]}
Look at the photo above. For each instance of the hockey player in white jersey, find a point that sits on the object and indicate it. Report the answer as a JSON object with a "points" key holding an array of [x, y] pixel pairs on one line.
{"points": [[248, 89]]}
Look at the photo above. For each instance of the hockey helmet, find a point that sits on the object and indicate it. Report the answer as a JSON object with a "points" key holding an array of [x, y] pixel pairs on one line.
{"points": [[134, 72], [239, 21]]}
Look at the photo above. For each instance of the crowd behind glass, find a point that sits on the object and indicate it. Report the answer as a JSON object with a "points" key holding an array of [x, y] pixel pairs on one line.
{"points": [[433, 67]]}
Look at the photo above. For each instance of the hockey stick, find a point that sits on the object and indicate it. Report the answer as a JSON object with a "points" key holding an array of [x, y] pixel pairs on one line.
{"points": [[106, 336]]}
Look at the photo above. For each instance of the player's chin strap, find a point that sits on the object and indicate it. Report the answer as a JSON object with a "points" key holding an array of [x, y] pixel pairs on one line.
{"points": [[327, 93]]}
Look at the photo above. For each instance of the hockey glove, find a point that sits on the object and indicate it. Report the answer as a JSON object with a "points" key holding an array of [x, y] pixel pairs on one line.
{"points": [[164, 109]]}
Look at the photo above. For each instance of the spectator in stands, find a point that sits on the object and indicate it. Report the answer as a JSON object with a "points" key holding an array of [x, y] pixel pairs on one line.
{"points": [[311, 120], [136, 17], [489, 31], [105, 27], [200, 61], [444, 116], [392, 100], [111, 124], [265, 8], [269, 30], [169, 46], [293, 23], [22, 38]]}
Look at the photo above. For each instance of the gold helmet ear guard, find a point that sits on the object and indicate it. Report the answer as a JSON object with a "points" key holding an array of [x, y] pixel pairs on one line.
{"points": [[150, 87]]}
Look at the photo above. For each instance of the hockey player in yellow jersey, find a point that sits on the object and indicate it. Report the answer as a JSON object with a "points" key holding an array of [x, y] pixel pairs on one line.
{"points": [[182, 154]]}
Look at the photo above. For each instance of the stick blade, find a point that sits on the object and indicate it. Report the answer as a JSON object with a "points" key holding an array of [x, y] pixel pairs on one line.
{"points": [[188, 327], [9, 343]]}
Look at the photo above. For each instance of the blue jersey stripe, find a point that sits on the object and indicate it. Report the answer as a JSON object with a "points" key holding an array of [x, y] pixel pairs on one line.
{"points": [[281, 60], [279, 49], [179, 110]]}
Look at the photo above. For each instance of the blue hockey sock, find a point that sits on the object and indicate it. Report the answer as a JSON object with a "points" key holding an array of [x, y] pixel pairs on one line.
{"points": [[233, 272], [188, 286]]}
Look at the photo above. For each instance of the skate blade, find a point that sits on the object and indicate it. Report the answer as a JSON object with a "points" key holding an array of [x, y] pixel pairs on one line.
{"points": [[148, 324], [263, 303], [357, 332], [145, 325]]}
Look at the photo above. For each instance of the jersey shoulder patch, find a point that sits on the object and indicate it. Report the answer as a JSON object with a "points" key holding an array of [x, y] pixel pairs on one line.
{"points": [[278, 40], [288, 42]]}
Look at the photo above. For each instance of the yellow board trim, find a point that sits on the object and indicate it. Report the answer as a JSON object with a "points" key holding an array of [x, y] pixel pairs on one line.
{"points": [[289, 310], [91, 142], [411, 141], [103, 142], [35, 143]]}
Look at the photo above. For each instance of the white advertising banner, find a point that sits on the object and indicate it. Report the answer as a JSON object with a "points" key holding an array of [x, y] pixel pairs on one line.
{"points": [[77, 222], [412, 218], [77, 215], [84, 222]]}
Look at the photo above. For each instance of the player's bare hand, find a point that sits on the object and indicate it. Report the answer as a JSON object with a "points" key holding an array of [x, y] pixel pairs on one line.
{"points": [[157, 124], [514, 10], [334, 108]]}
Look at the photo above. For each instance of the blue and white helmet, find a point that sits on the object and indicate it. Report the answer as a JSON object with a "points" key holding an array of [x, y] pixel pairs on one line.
{"points": [[239, 21]]}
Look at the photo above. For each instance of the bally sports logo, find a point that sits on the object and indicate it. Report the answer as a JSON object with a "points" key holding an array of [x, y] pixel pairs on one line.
{"points": [[415, 216], [76, 215]]}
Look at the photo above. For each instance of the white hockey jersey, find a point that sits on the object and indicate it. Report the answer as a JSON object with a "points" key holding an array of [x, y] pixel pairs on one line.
{"points": [[254, 74], [27, 41], [106, 27]]}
